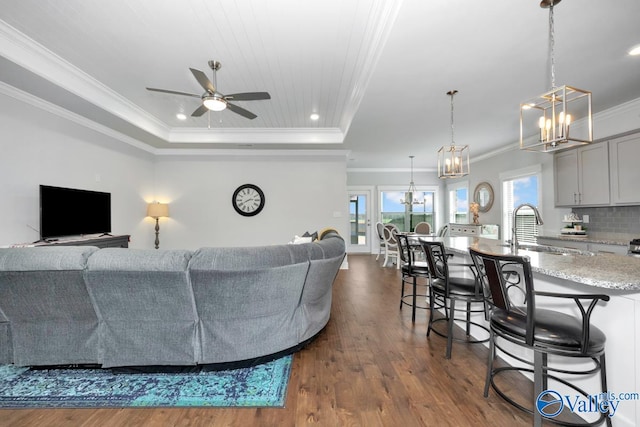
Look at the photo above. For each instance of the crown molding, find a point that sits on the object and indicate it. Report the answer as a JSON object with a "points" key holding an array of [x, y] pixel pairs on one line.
{"points": [[258, 136], [387, 12], [32, 56], [389, 170], [259, 153], [56, 110]]}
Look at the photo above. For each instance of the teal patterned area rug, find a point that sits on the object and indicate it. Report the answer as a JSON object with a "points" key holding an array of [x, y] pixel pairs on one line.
{"points": [[258, 386]]}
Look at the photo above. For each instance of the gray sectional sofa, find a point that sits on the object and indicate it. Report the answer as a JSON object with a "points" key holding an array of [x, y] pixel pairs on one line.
{"points": [[125, 307]]}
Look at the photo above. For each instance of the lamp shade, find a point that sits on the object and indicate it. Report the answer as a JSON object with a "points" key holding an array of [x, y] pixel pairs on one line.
{"points": [[157, 210]]}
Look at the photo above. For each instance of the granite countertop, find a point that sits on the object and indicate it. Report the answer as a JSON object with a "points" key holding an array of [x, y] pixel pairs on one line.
{"points": [[603, 238], [602, 270]]}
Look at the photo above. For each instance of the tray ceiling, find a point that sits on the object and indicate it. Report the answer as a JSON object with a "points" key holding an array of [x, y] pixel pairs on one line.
{"points": [[376, 71]]}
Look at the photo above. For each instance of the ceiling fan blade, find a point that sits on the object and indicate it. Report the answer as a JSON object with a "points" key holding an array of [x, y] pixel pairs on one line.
{"points": [[199, 111], [239, 110], [174, 92], [248, 96], [203, 80]]}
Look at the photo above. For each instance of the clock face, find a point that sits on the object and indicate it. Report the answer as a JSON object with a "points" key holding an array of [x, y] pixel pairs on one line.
{"points": [[248, 200]]}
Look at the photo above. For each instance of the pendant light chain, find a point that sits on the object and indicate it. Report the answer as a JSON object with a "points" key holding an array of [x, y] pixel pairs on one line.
{"points": [[451, 94], [552, 43], [411, 169]]}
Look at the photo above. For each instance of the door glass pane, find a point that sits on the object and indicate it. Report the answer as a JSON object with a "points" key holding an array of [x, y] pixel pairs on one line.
{"points": [[358, 219]]}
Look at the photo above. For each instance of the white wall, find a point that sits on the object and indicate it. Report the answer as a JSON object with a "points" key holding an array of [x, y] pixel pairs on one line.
{"points": [[38, 147], [302, 194], [490, 169]]}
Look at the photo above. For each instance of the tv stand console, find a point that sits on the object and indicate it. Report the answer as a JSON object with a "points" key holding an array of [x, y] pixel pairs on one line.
{"points": [[99, 241]]}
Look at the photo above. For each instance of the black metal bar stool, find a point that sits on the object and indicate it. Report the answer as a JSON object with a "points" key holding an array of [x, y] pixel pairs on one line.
{"points": [[446, 290], [412, 270], [516, 319]]}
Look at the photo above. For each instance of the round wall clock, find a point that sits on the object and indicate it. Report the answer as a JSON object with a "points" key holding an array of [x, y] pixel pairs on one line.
{"points": [[248, 200]]}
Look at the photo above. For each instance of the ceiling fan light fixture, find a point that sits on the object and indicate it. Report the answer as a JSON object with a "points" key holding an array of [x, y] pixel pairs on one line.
{"points": [[214, 102], [635, 51], [560, 118]]}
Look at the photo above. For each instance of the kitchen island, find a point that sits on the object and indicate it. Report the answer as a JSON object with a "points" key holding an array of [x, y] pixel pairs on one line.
{"points": [[615, 275]]}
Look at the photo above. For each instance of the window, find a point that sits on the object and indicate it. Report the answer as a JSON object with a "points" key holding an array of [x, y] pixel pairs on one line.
{"points": [[521, 186], [407, 216], [459, 203]]}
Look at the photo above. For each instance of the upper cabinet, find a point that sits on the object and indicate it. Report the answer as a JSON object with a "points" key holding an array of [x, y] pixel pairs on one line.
{"points": [[582, 176], [624, 154]]}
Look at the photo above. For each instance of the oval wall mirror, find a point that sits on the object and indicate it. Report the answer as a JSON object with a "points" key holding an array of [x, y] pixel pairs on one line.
{"points": [[483, 196]]}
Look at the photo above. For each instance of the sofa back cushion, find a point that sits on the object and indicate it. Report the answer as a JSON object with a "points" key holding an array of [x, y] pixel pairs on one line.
{"points": [[247, 300], [45, 258], [44, 297], [332, 245], [315, 304], [145, 305], [248, 258]]}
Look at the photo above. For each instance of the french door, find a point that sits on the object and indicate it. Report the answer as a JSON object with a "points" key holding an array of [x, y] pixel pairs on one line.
{"points": [[360, 230]]}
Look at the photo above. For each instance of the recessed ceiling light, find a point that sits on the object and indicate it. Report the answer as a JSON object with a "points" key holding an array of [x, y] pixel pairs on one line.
{"points": [[181, 116], [314, 116], [635, 51]]}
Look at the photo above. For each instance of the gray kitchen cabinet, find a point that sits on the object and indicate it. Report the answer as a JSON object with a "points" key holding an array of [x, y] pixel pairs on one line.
{"points": [[582, 176], [624, 155]]}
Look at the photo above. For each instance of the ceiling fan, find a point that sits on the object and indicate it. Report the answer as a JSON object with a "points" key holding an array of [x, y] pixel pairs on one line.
{"points": [[214, 100]]}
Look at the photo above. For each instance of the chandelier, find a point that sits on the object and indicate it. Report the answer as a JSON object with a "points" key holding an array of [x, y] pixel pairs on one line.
{"points": [[557, 119], [410, 195], [453, 160]]}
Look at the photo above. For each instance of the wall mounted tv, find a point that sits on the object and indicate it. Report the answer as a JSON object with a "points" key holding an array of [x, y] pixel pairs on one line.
{"points": [[71, 212]]}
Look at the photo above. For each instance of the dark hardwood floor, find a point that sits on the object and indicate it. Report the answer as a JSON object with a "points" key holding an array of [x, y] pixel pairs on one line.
{"points": [[370, 367]]}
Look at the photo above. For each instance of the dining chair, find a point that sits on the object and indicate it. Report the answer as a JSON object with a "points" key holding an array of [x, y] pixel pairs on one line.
{"points": [[391, 244], [447, 289], [443, 231], [412, 269], [381, 243], [422, 228], [516, 318]]}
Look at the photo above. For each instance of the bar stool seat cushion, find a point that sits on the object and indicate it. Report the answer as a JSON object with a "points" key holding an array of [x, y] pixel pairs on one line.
{"points": [[458, 286], [419, 268], [551, 328]]}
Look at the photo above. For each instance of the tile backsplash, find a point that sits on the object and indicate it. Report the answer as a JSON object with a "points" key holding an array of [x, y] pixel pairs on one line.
{"points": [[612, 219]]}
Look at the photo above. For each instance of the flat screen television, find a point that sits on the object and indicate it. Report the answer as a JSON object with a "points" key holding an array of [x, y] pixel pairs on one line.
{"points": [[71, 212]]}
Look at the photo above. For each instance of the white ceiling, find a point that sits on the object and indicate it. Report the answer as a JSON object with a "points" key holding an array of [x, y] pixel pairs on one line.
{"points": [[376, 71]]}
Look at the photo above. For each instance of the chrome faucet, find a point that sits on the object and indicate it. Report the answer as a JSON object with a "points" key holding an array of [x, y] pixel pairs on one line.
{"points": [[514, 235]]}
